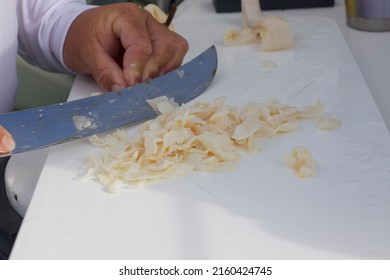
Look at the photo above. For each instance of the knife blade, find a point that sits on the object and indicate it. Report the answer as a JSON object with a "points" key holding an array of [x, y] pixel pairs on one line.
{"points": [[54, 124]]}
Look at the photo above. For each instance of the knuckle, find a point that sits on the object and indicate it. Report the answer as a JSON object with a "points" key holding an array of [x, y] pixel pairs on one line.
{"points": [[129, 8], [182, 44], [142, 47], [175, 45], [133, 14], [178, 45]]}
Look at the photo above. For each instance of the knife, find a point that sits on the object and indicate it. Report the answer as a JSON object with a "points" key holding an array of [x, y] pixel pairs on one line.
{"points": [[54, 124]]}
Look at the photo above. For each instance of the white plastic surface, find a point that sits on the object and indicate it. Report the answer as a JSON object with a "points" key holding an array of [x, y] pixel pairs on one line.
{"points": [[259, 211], [21, 177]]}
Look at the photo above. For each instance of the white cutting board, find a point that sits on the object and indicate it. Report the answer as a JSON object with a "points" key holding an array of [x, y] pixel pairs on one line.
{"points": [[259, 211]]}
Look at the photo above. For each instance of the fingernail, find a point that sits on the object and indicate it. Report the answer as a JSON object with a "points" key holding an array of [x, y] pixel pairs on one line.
{"points": [[116, 87], [7, 143], [133, 74], [151, 73]]}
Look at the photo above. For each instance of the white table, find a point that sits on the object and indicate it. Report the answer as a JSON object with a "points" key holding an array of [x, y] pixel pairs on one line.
{"points": [[260, 210], [370, 49]]}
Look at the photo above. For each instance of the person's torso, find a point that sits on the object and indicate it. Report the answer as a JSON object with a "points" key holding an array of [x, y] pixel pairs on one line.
{"points": [[8, 51]]}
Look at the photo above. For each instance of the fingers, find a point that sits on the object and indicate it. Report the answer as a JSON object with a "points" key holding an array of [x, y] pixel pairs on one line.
{"points": [[151, 50], [108, 73], [7, 143], [121, 45], [168, 53], [135, 40], [91, 47]]}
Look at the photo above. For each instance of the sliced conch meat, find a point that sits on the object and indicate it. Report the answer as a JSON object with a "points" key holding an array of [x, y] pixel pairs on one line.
{"points": [[234, 37], [201, 136], [301, 161], [251, 13], [327, 122], [273, 32], [311, 111]]}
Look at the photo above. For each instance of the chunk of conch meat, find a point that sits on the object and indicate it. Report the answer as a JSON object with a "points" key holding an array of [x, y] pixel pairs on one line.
{"points": [[234, 37], [274, 32]]}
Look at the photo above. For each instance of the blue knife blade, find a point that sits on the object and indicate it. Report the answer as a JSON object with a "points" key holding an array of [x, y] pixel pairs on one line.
{"points": [[58, 123]]}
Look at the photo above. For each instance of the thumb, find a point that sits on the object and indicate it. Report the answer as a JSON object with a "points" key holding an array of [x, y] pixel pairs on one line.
{"points": [[7, 143]]}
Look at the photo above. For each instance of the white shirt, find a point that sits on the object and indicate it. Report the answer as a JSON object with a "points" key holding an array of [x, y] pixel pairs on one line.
{"points": [[36, 29]]}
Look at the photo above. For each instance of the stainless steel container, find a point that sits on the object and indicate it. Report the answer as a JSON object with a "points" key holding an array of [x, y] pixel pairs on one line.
{"points": [[368, 15]]}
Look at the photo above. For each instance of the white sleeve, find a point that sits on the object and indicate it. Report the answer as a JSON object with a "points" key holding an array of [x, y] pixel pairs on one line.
{"points": [[43, 25]]}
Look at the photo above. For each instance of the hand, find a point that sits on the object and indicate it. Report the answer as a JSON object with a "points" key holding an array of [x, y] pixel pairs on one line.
{"points": [[7, 143], [121, 45]]}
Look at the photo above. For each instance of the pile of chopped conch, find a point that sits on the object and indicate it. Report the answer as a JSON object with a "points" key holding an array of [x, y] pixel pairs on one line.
{"points": [[273, 32], [202, 136]]}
